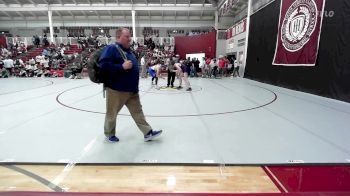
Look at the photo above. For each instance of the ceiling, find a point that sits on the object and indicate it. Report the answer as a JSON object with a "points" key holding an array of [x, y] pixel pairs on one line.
{"points": [[113, 9]]}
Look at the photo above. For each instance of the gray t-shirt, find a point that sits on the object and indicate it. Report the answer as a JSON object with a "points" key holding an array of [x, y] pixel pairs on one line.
{"points": [[171, 66]]}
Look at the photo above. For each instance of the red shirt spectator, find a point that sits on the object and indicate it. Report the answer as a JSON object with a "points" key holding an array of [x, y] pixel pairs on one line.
{"points": [[208, 61], [222, 63]]}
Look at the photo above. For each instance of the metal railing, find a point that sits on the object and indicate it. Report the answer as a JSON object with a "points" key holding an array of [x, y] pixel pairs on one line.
{"points": [[103, 40]]}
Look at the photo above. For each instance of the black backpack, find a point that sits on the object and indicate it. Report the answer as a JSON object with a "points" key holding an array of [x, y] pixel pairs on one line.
{"points": [[95, 73], [94, 70]]}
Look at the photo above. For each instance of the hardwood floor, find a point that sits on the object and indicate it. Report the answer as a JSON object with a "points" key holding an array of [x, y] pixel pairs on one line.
{"points": [[190, 179]]}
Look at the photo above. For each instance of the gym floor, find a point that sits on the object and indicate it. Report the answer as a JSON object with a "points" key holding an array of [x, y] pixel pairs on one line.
{"points": [[222, 121]]}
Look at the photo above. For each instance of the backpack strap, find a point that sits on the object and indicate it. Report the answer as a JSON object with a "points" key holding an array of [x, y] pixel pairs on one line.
{"points": [[121, 52]]}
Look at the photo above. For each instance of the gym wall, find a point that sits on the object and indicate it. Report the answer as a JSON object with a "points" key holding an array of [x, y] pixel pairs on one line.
{"points": [[331, 75], [196, 44]]}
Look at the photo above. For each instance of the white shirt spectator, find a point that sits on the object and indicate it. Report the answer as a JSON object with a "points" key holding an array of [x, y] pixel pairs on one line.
{"points": [[32, 61], [212, 63], [31, 67], [8, 63], [167, 61], [235, 63], [202, 64], [45, 63], [4, 52], [62, 51], [38, 58], [21, 64], [143, 62]]}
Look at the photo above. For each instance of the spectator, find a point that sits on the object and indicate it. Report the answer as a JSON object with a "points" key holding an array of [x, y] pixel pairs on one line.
{"points": [[236, 69], [9, 65], [196, 63], [1, 62], [213, 68], [45, 52], [37, 41], [221, 64], [31, 61], [4, 73], [45, 62], [19, 63], [4, 52], [143, 67], [207, 68], [201, 66]]}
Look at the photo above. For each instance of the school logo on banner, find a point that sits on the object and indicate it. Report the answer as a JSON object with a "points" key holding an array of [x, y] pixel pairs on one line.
{"points": [[299, 32]]}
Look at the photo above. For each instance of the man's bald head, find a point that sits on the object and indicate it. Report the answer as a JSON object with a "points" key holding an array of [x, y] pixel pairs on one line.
{"points": [[123, 37]]}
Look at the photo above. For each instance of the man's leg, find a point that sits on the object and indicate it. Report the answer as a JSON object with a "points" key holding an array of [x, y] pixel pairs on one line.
{"points": [[135, 108], [235, 72], [9, 70], [180, 79], [142, 71], [115, 100], [187, 83], [173, 75], [169, 76], [145, 71]]}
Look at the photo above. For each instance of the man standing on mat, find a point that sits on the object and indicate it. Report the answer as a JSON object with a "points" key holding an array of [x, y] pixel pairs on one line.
{"points": [[122, 69], [171, 72]]}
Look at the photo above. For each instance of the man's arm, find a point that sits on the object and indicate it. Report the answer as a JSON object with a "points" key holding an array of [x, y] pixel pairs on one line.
{"points": [[107, 59]]}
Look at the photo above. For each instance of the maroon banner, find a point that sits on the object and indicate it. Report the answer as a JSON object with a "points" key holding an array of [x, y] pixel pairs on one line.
{"points": [[299, 32], [3, 42]]}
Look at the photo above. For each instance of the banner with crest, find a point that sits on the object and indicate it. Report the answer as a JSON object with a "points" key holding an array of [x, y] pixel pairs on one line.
{"points": [[299, 32]]}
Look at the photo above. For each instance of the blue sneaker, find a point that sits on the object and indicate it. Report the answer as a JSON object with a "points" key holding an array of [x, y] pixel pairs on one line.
{"points": [[152, 134], [113, 139]]}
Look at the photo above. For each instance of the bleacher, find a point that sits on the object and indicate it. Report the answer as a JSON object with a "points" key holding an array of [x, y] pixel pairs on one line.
{"points": [[35, 52], [73, 49]]}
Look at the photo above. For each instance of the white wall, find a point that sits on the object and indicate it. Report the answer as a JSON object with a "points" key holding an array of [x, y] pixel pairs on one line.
{"points": [[236, 50], [220, 47]]}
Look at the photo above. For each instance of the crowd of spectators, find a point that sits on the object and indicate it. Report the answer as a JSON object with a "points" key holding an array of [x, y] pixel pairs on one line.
{"points": [[67, 60], [44, 60]]}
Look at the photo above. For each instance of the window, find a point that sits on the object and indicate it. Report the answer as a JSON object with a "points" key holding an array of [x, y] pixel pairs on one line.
{"points": [[241, 42], [149, 31], [221, 35]]}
